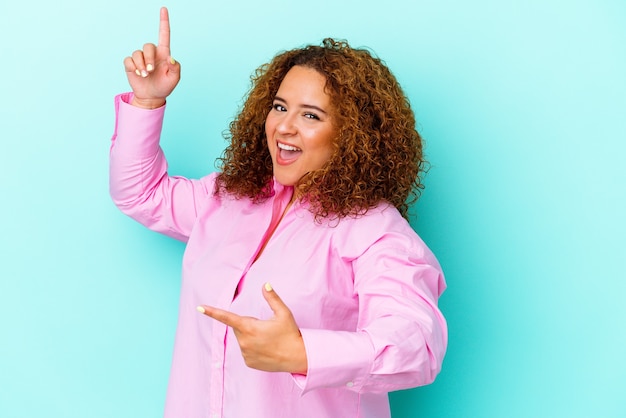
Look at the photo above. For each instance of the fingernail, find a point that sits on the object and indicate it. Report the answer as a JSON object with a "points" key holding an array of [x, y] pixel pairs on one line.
{"points": [[200, 309], [268, 287], [149, 67], [144, 73], [138, 72], [172, 61]]}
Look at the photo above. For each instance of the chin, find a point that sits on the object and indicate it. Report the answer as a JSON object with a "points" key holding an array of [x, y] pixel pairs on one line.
{"points": [[285, 179]]}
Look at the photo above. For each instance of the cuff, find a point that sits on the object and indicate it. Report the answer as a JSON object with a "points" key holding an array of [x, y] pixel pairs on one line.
{"points": [[137, 130], [335, 359]]}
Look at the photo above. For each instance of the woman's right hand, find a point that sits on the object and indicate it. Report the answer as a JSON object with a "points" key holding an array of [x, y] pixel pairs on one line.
{"points": [[152, 72]]}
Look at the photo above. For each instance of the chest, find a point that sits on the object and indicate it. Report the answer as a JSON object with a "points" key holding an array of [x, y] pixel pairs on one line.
{"points": [[299, 258]]}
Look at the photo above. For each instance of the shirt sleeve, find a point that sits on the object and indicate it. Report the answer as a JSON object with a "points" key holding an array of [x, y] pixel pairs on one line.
{"points": [[138, 180], [401, 337]]}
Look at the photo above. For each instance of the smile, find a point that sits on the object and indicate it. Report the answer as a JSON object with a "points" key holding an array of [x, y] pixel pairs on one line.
{"points": [[287, 153], [286, 147]]}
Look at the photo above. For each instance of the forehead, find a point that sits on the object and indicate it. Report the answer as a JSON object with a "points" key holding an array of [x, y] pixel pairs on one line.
{"points": [[304, 81]]}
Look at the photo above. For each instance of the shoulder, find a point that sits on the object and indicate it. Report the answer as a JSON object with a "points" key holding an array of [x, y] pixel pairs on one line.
{"points": [[381, 219], [381, 229], [382, 243]]}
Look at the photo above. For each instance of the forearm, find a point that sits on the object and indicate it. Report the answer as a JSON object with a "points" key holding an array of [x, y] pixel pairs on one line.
{"points": [[139, 184], [136, 161], [363, 362]]}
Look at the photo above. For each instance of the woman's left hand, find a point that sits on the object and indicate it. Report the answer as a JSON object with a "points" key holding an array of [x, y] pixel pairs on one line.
{"points": [[273, 345]]}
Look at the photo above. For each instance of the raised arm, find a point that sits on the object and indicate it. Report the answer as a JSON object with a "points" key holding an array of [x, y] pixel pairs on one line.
{"points": [[139, 183], [152, 72]]}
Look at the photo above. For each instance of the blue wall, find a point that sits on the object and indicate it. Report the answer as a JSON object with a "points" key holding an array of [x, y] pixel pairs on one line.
{"points": [[522, 105]]}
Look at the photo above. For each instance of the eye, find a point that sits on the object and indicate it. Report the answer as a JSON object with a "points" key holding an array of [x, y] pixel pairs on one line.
{"points": [[278, 107], [311, 116]]}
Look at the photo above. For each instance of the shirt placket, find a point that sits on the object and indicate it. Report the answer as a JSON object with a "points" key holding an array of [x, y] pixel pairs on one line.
{"points": [[218, 340], [216, 395]]}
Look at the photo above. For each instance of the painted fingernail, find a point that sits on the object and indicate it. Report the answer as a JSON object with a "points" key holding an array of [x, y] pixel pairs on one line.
{"points": [[200, 309], [149, 67], [268, 287], [172, 61], [138, 72], [144, 73]]}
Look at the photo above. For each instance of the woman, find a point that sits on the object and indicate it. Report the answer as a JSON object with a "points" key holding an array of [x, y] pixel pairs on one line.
{"points": [[311, 198]]}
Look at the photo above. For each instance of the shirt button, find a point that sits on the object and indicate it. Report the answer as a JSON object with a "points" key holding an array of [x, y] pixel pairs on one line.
{"points": [[350, 384], [217, 365]]}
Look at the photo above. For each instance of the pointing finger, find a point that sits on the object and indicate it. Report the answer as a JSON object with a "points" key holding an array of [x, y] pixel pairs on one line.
{"points": [[164, 29], [227, 318]]}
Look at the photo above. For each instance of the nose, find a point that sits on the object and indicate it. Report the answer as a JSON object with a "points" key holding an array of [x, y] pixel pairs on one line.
{"points": [[286, 125]]}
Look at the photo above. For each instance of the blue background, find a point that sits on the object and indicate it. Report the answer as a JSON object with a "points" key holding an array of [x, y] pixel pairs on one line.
{"points": [[522, 105]]}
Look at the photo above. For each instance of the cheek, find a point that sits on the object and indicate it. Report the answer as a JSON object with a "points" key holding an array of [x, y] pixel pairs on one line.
{"points": [[327, 146], [268, 124], [269, 128], [322, 155], [270, 148]]}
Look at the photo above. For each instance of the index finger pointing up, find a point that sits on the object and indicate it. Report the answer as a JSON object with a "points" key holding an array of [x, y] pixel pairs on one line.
{"points": [[164, 29]]}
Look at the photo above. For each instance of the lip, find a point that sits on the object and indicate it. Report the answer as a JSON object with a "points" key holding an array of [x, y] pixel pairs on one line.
{"points": [[282, 161]]}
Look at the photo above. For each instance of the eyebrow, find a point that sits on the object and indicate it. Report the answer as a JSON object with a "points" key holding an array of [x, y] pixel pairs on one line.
{"points": [[308, 106]]}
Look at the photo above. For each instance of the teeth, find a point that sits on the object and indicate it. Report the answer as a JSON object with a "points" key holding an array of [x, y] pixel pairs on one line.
{"points": [[288, 147]]}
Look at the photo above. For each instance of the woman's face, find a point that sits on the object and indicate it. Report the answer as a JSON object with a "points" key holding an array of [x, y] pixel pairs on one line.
{"points": [[299, 127]]}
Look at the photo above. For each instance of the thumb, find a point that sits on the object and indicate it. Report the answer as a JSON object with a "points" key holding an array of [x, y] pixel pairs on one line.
{"points": [[173, 65], [276, 303]]}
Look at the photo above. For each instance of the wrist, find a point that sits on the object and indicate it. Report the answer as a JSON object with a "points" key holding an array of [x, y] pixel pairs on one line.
{"points": [[147, 103], [300, 363]]}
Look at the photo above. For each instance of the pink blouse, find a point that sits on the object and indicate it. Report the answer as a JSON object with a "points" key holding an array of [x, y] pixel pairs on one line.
{"points": [[363, 291]]}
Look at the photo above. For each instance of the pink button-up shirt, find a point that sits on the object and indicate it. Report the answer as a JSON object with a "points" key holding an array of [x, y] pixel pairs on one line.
{"points": [[363, 291]]}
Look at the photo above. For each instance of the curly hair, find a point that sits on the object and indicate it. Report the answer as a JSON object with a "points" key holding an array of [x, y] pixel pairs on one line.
{"points": [[377, 154]]}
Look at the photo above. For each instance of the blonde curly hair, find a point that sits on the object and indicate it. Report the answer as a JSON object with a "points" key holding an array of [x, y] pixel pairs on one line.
{"points": [[377, 153]]}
